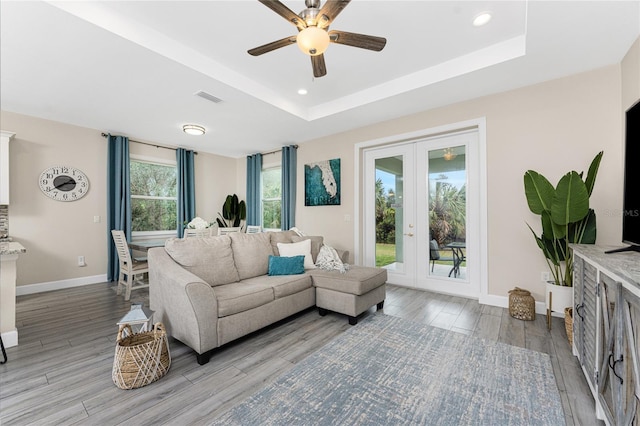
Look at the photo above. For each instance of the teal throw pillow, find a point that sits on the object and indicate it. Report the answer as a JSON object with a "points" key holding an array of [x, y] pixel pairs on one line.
{"points": [[281, 265]]}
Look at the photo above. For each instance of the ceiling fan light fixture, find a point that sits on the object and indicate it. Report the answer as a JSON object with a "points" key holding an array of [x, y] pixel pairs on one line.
{"points": [[193, 129], [313, 41], [449, 154]]}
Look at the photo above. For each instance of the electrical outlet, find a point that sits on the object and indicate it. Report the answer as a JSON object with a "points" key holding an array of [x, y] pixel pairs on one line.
{"points": [[81, 261], [545, 276]]}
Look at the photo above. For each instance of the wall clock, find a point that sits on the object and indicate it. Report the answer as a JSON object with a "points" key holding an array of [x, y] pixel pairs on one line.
{"points": [[63, 183]]}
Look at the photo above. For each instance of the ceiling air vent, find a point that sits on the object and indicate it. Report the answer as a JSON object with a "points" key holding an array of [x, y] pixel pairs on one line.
{"points": [[208, 96]]}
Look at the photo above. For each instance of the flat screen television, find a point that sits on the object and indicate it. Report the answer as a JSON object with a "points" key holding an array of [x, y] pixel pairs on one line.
{"points": [[631, 194]]}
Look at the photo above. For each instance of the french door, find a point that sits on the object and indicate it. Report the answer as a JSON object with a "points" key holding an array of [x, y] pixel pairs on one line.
{"points": [[421, 213]]}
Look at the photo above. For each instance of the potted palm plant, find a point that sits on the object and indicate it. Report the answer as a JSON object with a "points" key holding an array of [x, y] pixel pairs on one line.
{"points": [[566, 218]]}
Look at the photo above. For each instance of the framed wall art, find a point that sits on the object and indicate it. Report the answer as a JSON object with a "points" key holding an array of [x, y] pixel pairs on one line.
{"points": [[322, 183]]}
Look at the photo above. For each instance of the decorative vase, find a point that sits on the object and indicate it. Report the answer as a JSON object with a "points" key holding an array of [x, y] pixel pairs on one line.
{"points": [[561, 297]]}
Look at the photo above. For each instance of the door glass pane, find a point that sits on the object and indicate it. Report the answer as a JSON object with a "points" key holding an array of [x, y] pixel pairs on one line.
{"points": [[389, 213], [447, 184]]}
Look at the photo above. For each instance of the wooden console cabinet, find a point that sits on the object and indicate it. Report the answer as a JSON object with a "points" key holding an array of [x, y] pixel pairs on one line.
{"points": [[606, 330]]}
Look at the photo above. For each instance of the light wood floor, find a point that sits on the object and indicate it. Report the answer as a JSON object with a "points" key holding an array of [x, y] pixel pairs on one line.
{"points": [[61, 371]]}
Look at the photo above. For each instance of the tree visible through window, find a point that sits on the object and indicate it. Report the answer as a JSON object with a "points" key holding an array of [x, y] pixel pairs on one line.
{"points": [[154, 199], [271, 197]]}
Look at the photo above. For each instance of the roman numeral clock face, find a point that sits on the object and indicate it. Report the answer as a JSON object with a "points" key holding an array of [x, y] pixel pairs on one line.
{"points": [[64, 183]]}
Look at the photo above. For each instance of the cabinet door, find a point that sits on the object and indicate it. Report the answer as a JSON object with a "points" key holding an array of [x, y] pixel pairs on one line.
{"points": [[607, 381], [629, 413], [589, 312], [578, 315]]}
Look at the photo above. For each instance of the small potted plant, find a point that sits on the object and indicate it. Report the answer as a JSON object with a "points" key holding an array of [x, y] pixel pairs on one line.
{"points": [[566, 218]]}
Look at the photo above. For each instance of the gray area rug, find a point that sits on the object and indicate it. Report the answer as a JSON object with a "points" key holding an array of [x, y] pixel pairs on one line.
{"points": [[390, 371]]}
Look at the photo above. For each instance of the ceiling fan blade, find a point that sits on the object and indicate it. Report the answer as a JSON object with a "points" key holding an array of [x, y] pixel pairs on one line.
{"points": [[329, 11], [358, 40], [285, 12], [257, 51], [319, 68]]}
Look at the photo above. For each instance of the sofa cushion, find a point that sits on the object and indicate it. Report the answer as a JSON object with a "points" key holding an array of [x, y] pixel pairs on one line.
{"points": [[316, 243], [209, 258], [279, 265], [251, 253], [239, 297], [295, 249], [283, 285], [280, 237], [357, 280]]}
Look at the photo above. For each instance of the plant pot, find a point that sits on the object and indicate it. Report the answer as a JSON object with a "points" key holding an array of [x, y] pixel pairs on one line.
{"points": [[562, 297]]}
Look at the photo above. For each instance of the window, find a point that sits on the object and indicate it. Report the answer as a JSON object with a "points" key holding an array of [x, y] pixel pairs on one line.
{"points": [[271, 197], [154, 201]]}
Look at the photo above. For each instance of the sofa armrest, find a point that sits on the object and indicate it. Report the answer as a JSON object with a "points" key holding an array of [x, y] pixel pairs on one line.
{"points": [[183, 302]]}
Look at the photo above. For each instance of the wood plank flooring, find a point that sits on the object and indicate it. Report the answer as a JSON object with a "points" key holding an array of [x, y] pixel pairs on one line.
{"points": [[61, 371]]}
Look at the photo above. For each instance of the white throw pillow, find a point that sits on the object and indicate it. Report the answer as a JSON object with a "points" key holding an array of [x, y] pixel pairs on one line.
{"points": [[297, 249]]}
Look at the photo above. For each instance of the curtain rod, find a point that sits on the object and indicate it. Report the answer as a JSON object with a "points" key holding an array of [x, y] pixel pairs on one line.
{"points": [[277, 150], [104, 135]]}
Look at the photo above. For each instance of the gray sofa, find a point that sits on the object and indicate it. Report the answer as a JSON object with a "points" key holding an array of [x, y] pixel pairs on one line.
{"points": [[210, 291]]}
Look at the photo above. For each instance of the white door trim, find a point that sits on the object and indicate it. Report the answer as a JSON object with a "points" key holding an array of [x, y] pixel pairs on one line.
{"points": [[410, 137]]}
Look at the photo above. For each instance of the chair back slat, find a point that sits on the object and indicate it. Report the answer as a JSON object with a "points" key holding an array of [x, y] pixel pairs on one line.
{"points": [[124, 255]]}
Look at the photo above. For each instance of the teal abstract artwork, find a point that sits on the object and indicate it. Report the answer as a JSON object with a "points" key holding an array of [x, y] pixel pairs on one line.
{"points": [[322, 183]]}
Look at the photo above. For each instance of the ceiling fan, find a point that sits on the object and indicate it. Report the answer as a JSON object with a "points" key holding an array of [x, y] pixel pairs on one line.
{"points": [[314, 36]]}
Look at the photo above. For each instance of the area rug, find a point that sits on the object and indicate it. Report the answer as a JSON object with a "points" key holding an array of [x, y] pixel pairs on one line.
{"points": [[390, 371]]}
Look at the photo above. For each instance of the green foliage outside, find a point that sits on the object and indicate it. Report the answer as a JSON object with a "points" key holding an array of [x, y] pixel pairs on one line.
{"points": [[447, 212], [153, 197], [447, 218], [385, 254], [385, 215], [271, 198]]}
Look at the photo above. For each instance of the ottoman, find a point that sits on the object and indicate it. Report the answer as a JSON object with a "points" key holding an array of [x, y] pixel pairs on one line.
{"points": [[350, 293]]}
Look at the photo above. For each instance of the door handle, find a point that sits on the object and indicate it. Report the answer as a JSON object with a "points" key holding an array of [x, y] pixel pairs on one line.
{"points": [[410, 234]]}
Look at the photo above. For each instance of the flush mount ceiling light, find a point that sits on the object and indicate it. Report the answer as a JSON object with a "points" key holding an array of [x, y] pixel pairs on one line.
{"points": [[482, 19], [302, 91], [193, 129]]}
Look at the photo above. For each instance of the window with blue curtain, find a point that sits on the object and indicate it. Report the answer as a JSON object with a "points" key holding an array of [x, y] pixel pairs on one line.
{"points": [[118, 197], [186, 188], [254, 196], [289, 165]]}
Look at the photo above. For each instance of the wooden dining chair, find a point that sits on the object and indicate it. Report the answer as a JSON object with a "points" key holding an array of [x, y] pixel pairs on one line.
{"points": [[189, 233], [225, 231], [129, 268]]}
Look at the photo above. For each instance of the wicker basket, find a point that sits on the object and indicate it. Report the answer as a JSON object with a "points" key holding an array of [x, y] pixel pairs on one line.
{"points": [[568, 324], [140, 358], [522, 305]]}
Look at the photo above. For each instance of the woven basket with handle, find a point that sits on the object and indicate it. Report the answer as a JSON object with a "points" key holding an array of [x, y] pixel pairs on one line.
{"points": [[140, 358]]}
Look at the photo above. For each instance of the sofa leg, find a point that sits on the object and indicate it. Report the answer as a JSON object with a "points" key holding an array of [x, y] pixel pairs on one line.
{"points": [[353, 320], [380, 305], [322, 311], [203, 358]]}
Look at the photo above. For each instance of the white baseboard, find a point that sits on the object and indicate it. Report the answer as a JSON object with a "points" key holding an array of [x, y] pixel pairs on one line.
{"points": [[58, 285], [10, 338]]}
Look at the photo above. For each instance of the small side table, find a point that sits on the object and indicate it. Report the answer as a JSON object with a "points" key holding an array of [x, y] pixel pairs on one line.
{"points": [[139, 318]]}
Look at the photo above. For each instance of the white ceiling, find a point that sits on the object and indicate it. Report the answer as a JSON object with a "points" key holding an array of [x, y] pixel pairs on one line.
{"points": [[133, 67]]}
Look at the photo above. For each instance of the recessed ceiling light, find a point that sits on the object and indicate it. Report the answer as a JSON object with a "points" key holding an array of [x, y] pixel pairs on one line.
{"points": [[482, 19], [193, 129], [302, 91]]}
